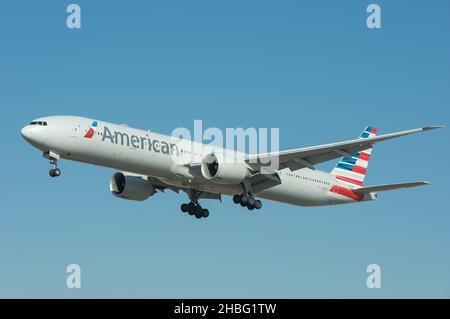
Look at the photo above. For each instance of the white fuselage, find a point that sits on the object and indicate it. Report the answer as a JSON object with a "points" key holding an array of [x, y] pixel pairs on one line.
{"points": [[150, 154]]}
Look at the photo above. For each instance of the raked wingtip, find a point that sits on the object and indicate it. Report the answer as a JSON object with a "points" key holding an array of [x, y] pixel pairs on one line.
{"points": [[432, 127]]}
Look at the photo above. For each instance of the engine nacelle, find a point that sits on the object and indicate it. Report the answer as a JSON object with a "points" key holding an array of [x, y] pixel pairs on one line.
{"points": [[131, 187], [223, 172]]}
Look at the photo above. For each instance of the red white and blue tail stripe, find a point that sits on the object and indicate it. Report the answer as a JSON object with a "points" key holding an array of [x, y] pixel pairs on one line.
{"points": [[352, 170]]}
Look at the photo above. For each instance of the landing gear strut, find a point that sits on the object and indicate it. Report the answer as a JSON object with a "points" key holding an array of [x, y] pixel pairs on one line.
{"points": [[193, 207]]}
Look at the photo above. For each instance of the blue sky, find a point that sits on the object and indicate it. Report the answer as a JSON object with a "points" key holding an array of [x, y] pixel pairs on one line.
{"points": [[311, 68]]}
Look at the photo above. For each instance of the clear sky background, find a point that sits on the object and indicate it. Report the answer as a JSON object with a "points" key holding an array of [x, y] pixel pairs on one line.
{"points": [[311, 68]]}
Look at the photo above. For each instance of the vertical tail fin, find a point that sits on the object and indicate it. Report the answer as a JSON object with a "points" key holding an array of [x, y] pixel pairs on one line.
{"points": [[352, 170]]}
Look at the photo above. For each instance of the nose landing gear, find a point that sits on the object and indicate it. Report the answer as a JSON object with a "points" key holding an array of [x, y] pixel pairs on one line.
{"points": [[54, 171]]}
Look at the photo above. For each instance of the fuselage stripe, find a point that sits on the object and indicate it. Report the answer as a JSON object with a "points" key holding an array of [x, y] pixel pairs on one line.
{"points": [[350, 180], [346, 192]]}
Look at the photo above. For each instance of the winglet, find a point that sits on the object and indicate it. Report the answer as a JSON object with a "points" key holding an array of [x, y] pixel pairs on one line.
{"points": [[432, 127]]}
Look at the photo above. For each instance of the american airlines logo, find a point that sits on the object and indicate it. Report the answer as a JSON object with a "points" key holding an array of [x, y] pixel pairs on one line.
{"points": [[91, 131], [139, 142]]}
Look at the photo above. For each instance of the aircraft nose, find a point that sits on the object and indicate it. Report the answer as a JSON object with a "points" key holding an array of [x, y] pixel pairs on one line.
{"points": [[26, 133]]}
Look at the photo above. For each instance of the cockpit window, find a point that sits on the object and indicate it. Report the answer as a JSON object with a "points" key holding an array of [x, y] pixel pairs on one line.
{"points": [[42, 123]]}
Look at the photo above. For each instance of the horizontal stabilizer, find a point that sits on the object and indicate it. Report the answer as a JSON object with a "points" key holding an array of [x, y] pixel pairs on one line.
{"points": [[388, 187]]}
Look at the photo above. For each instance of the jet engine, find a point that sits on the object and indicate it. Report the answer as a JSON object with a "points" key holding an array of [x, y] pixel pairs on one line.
{"points": [[131, 187], [224, 172]]}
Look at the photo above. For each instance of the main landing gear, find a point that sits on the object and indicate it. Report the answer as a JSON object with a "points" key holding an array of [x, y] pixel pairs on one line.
{"points": [[193, 208], [247, 201]]}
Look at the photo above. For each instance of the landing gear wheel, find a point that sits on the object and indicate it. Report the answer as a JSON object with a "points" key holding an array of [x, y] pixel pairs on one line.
{"points": [[184, 208], [251, 202], [191, 208], [198, 212], [258, 204], [236, 199], [244, 200], [205, 213], [54, 172], [250, 207]]}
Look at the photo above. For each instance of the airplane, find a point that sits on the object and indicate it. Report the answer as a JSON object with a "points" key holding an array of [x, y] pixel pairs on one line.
{"points": [[148, 162]]}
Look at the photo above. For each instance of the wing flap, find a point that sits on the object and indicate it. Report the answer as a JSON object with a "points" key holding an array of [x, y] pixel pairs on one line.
{"points": [[262, 181]]}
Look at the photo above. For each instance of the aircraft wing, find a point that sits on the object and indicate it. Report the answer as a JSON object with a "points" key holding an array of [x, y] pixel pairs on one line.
{"points": [[388, 187], [309, 156]]}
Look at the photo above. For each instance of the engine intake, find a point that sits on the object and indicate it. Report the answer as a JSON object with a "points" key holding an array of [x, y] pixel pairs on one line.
{"points": [[131, 187], [223, 172]]}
